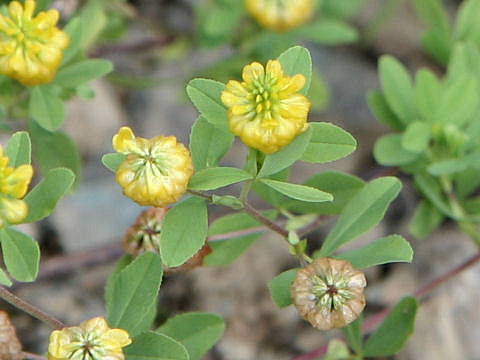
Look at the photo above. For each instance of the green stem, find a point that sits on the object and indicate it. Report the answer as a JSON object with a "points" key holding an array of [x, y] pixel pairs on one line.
{"points": [[30, 309], [461, 216], [247, 185]]}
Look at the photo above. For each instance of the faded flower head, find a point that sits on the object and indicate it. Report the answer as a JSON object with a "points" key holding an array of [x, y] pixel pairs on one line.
{"points": [[13, 187], [30, 46], [280, 14], [145, 235], [91, 340], [10, 347], [265, 110], [329, 293], [156, 171]]}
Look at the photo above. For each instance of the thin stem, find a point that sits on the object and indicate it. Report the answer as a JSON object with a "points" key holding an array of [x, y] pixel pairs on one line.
{"points": [[200, 194], [30, 309], [264, 220], [247, 185], [28, 355], [461, 216]]}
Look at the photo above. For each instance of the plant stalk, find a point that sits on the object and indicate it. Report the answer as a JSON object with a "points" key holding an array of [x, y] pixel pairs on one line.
{"points": [[30, 309]]}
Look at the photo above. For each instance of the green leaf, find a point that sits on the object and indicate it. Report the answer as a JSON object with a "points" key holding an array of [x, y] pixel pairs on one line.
{"points": [[94, 20], [206, 96], [287, 156], [270, 195], [217, 177], [135, 287], [19, 149], [417, 137], [328, 143], [113, 161], [329, 32], [280, 286], [363, 212], [208, 144], [226, 250], [466, 182], [342, 187], [467, 26], [425, 219], [82, 72], [319, 93], [217, 21], [394, 332], [21, 254], [121, 264], [297, 60], [43, 199], [464, 62], [380, 108], [431, 189], [397, 88], [155, 346], [392, 248], [299, 192], [459, 102], [341, 9], [353, 333], [46, 107], [4, 279], [184, 231], [428, 92], [433, 15], [447, 167], [389, 151], [198, 332], [437, 46], [74, 29], [53, 150]]}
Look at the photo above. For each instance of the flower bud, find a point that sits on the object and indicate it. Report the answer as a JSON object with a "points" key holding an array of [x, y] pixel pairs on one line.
{"points": [[156, 171], [30, 46], [280, 15], [265, 110], [10, 347], [145, 235], [91, 340], [329, 293]]}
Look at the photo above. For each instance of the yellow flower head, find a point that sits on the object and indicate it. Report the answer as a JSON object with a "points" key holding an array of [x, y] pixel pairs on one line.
{"points": [[91, 340], [13, 187], [329, 293], [266, 110], [280, 14], [30, 47], [156, 171]]}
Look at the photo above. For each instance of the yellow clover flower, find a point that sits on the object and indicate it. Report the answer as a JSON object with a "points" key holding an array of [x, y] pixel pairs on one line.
{"points": [[156, 171], [30, 47], [13, 187], [91, 340], [265, 110], [280, 14]]}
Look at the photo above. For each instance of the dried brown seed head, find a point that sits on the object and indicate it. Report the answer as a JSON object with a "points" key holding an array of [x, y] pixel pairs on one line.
{"points": [[145, 235], [329, 293], [10, 346]]}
